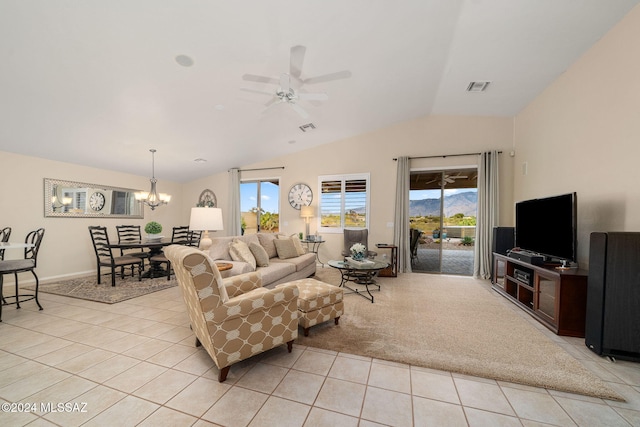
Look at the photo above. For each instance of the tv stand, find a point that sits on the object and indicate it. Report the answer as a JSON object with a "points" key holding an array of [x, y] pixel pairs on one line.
{"points": [[556, 298]]}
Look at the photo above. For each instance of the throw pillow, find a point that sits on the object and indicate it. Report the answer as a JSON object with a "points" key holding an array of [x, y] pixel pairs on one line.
{"points": [[239, 251], [266, 240], [296, 242], [261, 256], [285, 248]]}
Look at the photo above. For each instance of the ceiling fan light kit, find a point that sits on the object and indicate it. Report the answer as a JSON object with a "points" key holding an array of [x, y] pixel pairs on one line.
{"points": [[285, 93]]}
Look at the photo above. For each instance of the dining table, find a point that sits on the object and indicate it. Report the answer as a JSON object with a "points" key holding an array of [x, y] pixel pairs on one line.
{"points": [[155, 248]]}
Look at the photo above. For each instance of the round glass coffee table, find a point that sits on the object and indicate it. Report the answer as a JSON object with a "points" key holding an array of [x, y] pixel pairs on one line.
{"points": [[360, 274]]}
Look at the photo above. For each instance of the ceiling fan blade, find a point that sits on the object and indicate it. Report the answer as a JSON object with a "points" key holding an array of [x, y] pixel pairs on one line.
{"points": [[284, 82], [270, 104], [299, 110], [296, 60], [328, 77], [272, 101], [261, 92], [313, 96], [259, 79]]}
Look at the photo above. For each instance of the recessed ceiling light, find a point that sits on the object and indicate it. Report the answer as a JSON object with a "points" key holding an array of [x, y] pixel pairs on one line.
{"points": [[219, 107], [477, 86], [184, 60]]}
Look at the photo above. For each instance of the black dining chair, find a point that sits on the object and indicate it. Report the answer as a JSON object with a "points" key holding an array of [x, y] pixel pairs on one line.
{"points": [[179, 236], [5, 233], [28, 264], [105, 258], [131, 234]]}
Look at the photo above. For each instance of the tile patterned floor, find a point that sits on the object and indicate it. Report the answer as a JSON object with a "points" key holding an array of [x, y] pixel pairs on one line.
{"points": [[134, 363]]}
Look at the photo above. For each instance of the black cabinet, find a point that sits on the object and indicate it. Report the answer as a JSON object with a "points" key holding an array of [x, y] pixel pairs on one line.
{"points": [[613, 297]]}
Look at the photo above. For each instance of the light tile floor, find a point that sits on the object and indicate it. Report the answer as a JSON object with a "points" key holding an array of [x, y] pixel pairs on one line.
{"points": [[134, 363]]}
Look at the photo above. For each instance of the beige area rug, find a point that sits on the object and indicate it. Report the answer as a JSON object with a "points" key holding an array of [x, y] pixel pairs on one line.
{"points": [[87, 288], [453, 324]]}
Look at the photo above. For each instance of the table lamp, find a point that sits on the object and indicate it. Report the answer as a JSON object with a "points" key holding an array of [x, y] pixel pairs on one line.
{"points": [[306, 212], [205, 219]]}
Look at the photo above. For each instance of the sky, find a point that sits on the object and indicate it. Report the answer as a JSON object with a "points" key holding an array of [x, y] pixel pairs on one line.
{"points": [[269, 196]]}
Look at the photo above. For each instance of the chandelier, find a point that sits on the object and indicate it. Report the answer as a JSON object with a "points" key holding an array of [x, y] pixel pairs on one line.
{"points": [[152, 198]]}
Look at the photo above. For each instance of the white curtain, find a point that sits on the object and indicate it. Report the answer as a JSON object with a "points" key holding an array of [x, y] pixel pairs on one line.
{"points": [[235, 224], [487, 213], [401, 224]]}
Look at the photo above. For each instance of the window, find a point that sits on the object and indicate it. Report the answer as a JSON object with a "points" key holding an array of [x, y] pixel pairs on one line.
{"points": [[344, 202], [259, 206]]}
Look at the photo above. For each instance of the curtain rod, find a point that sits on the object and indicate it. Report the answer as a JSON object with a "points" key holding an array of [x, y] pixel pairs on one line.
{"points": [[445, 155], [260, 169]]}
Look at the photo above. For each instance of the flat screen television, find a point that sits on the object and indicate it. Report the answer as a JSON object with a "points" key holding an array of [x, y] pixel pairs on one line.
{"points": [[547, 226]]}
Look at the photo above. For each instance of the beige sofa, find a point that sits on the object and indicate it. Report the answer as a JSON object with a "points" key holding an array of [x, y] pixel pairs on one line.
{"points": [[281, 267]]}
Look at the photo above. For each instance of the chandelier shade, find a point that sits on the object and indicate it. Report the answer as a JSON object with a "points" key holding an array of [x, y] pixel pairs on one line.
{"points": [[153, 199]]}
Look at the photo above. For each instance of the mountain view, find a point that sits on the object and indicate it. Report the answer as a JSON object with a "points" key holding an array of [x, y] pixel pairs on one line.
{"points": [[464, 203]]}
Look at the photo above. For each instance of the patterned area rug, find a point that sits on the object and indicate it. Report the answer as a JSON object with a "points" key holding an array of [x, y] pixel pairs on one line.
{"points": [[87, 288]]}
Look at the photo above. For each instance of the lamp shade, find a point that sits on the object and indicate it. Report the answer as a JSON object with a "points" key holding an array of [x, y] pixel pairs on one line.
{"points": [[307, 211], [206, 219]]}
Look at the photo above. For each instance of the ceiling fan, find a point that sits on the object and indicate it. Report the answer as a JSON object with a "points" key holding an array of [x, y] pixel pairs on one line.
{"points": [[448, 179], [285, 93]]}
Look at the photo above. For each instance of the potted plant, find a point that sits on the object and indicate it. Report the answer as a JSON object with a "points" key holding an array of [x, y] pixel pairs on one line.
{"points": [[153, 230]]}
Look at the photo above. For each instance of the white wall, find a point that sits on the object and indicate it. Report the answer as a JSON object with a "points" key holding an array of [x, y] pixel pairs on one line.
{"points": [[66, 248], [374, 153], [582, 134]]}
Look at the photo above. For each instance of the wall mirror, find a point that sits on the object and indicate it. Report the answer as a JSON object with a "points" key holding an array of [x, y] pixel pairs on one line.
{"points": [[80, 199]]}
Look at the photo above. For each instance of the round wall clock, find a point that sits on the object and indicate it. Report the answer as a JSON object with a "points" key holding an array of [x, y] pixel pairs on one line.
{"points": [[96, 201], [207, 199], [300, 195]]}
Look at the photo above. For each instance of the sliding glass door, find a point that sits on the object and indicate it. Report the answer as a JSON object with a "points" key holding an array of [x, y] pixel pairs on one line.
{"points": [[442, 212]]}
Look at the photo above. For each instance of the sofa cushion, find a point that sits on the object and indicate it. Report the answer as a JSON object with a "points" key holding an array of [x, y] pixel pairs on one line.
{"points": [[300, 262], [240, 251], [261, 256], [285, 248], [219, 249], [296, 243], [266, 240], [276, 271]]}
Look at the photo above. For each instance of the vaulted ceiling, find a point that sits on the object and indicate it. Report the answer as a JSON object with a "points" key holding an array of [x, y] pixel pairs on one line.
{"points": [[99, 83]]}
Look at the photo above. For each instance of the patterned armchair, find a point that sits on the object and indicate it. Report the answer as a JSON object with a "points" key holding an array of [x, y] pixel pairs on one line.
{"points": [[234, 318]]}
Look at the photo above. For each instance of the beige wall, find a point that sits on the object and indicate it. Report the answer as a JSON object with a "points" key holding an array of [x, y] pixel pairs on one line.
{"points": [[66, 248], [582, 134], [373, 153]]}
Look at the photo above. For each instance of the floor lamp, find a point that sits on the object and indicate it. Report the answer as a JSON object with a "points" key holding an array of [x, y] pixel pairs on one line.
{"points": [[205, 219], [307, 212]]}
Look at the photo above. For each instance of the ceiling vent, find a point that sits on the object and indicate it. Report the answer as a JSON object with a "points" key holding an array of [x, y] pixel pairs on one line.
{"points": [[307, 127], [477, 86]]}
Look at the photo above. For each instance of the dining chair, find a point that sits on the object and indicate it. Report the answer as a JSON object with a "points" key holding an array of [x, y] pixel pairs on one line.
{"points": [[131, 234], [28, 264], [179, 236], [5, 233], [194, 238], [105, 258]]}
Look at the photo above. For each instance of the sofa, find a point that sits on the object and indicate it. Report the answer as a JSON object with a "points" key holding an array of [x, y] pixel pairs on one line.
{"points": [[277, 257]]}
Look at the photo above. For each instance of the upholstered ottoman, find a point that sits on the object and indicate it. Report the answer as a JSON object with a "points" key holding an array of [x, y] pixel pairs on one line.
{"points": [[318, 302]]}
